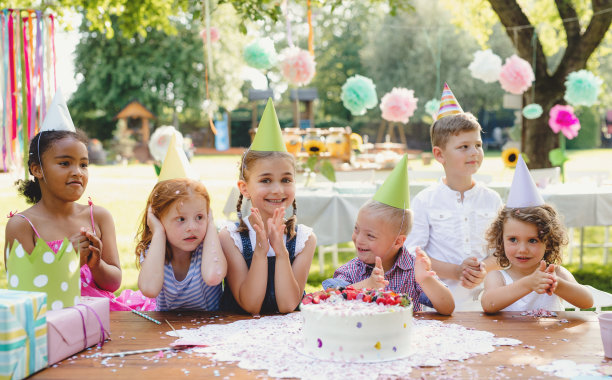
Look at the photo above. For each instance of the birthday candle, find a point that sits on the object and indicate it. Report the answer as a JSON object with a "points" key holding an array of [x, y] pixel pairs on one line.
{"points": [[146, 317]]}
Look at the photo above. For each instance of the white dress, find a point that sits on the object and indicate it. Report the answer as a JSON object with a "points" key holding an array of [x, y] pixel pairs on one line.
{"points": [[533, 300]]}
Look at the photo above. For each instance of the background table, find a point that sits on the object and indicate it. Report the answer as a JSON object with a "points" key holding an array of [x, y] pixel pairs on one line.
{"points": [[578, 340]]}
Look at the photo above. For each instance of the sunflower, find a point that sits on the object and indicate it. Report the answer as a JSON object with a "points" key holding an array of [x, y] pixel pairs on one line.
{"points": [[314, 147], [510, 157], [356, 141]]}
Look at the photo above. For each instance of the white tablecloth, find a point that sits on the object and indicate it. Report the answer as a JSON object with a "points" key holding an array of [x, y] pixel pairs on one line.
{"points": [[331, 209]]}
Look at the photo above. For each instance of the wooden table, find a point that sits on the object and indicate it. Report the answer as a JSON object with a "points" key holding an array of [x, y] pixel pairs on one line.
{"points": [[131, 332]]}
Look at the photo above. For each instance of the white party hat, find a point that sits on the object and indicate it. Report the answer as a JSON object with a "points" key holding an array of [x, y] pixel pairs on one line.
{"points": [[523, 191], [58, 117]]}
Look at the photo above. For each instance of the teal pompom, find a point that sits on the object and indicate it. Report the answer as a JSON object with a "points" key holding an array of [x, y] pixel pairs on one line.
{"points": [[582, 88], [260, 54], [532, 111], [359, 94], [432, 106]]}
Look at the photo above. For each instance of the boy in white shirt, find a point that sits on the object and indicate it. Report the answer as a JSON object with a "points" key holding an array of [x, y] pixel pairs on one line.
{"points": [[451, 216]]}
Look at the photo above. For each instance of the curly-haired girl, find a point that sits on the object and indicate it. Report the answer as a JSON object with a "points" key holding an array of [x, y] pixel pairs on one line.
{"points": [[527, 243]]}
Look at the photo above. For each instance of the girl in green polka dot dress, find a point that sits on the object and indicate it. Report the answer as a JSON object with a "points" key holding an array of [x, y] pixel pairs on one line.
{"points": [[58, 161]]}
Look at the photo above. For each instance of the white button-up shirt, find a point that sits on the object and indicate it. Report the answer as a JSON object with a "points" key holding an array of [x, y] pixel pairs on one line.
{"points": [[451, 230]]}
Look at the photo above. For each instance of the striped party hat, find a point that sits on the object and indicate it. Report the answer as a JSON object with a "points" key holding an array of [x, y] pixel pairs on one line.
{"points": [[448, 104]]}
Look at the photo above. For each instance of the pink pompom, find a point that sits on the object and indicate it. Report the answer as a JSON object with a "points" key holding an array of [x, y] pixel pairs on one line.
{"points": [[214, 35], [398, 105], [297, 66], [516, 75], [562, 118]]}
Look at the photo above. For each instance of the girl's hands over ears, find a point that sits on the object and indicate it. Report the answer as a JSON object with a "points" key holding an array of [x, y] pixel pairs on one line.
{"points": [[153, 222]]}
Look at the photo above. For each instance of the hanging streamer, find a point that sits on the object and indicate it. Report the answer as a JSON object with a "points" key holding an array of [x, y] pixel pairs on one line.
{"points": [[310, 32], [208, 52]]}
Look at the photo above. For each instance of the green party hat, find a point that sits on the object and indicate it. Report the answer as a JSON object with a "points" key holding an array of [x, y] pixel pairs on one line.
{"points": [[175, 164], [269, 137], [395, 191], [56, 274]]}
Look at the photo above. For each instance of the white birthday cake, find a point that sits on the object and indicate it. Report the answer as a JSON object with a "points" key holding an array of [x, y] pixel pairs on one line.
{"points": [[356, 325]]}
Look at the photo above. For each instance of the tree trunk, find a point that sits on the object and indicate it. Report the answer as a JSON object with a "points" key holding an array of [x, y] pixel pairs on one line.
{"points": [[537, 137]]}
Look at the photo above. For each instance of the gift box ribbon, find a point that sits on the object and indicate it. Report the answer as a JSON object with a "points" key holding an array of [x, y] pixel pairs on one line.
{"points": [[102, 332]]}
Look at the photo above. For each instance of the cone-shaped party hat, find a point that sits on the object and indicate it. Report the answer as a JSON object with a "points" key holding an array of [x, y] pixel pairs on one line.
{"points": [[269, 137], [448, 104], [523, 191], [395, 191], [175, 164], [58, 117]]}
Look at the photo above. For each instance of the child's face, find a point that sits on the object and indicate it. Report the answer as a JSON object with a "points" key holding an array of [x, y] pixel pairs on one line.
{"points": [[375, 237], [65, 168], [462, 155], [522, 246], [271, 185], [185, 223]]}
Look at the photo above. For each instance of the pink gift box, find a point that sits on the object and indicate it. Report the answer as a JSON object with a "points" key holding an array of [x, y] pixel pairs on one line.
{"points": [[73, 329]]}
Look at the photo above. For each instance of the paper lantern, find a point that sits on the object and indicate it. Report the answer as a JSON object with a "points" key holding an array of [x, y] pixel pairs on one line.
{"points": [[562, 118], [432, 106], [214, 35], [398, 105], [297, 66], [532, 111], [516, 75], [486, 66], [582, 88], [359, 94], [260, 54]]}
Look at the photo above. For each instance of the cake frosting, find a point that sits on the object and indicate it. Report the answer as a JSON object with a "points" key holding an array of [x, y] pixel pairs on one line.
{"points": [[356, 325]]}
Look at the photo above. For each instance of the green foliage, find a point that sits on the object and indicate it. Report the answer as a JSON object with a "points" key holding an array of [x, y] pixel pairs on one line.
{"points": [[557, 157], [596, 275], [589, 135]]}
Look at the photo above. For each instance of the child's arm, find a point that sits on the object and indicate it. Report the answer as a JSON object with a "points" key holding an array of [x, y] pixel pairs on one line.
{"points": [[289, 279], [151, 276], [248, 284], [214, 265], [376, 279], [103, 259], [497, 295], [571, 291], [439, 295]]}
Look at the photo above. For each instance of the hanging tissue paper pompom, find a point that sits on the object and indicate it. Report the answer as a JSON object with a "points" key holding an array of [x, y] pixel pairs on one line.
{"points": [[532, 111], [562, 118], [582, 88], [260, 54], [214, 35], [516, 75], [160, 139], [432, 106], [297, 66], [486, 66], [398, 105], [359, 94]]}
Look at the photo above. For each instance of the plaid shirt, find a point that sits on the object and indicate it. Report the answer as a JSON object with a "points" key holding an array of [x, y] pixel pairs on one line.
{"points": [[400, 276]]}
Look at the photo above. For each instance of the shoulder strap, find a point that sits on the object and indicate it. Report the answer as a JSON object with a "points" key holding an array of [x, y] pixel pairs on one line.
{"points": [[291, 244], [93, 226], [26, 218]]}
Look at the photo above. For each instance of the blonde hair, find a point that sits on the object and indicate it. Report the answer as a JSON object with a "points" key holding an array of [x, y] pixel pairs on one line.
{"points": [[550, 231], [396, 217], [162, 197], [441, 130], [246, 163]]}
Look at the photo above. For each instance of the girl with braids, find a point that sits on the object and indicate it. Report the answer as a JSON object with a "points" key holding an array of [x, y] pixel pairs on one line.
{"points": [[527, 238], [268, 257]]}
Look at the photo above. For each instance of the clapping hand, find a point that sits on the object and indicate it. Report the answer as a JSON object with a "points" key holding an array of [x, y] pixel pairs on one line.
{"points": [[377, 278], [422, 266], [276, 231], [261, 236], [542, 280]]}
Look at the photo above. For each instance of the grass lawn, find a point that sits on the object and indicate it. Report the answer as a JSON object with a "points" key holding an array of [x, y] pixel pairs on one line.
{"points": [[123, 191]]}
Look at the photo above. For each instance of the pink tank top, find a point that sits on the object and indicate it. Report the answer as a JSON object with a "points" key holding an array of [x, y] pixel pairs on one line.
{"points": [[56, 244]]}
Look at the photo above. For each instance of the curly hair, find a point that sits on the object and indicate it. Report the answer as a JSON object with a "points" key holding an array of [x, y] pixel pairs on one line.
{"points": [[43, 141], [248, 160], [551, 231], [164, 195]]}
